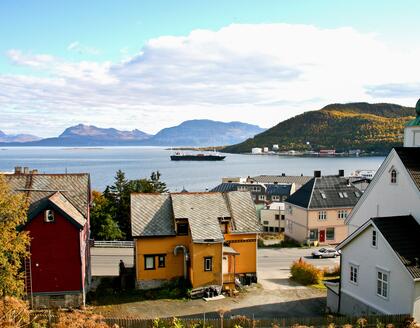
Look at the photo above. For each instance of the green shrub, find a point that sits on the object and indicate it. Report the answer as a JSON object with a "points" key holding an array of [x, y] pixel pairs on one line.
{"points": [[305, 273]]}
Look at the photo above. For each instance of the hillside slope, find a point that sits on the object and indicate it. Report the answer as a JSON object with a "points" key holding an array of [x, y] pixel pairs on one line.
{"points": [[369, 127]]}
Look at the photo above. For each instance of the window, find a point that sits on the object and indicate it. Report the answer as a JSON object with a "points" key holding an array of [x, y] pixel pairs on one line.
{"points": [[393, 176], [330, 234], [323, 195], [256, 188], [208, 264], [340, 194], [271, 229], [261, 197], [374, 238], [342, 214], [345, 194], [357, 194], [282, 217], [276, 229], [322, 215], [382, 285], [182, 229], [313, 234], [242, 188], [149, 262], [265, 222], [161, 261], [354, 273], [277, 217], [275, 198], [49, 216], [290, 209]]}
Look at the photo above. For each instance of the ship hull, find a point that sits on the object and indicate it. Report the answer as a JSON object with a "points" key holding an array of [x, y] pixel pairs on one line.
{"points": [[197, 158]]}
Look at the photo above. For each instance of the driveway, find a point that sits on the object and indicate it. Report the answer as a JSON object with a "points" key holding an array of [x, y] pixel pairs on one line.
{"points": [[274, 296], [274, 266]]}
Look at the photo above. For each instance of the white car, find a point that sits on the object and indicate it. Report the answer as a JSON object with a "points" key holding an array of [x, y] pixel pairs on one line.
{"points": [[325, 252]]}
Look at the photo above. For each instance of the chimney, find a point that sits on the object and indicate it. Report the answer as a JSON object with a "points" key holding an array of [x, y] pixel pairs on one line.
{"points": [[341, 173], [18, 169], [25, 170], [34, 171], [283, 174], [317, 174]]}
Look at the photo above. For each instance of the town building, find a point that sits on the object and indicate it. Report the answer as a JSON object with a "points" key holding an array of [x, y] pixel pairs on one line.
{"points": [[380, 269], [317, 211], [209, 238], [57, 273], [272, 217]]}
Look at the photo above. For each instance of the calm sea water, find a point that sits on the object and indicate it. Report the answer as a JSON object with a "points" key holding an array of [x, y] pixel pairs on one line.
{"points": [[139, 162]]}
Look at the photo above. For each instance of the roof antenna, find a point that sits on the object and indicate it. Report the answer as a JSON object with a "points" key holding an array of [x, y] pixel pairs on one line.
{"points": [[66, 170]]}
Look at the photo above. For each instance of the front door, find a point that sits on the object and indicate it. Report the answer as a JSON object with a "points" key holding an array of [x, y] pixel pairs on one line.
{"points": [[322, 236]]}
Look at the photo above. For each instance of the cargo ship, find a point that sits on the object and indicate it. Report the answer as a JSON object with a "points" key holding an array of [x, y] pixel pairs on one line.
{"points": [[197, 157]]}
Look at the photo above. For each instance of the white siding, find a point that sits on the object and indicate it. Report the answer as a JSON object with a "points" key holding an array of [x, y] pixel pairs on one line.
{"points": [[385, 199], [369, 259], [416, 306]]}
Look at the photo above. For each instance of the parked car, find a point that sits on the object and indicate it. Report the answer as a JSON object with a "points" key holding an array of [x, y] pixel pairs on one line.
{"points": [[325, 252]]}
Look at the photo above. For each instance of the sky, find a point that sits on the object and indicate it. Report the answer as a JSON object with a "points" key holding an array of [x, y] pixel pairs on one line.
{"points": [[148, 65]]}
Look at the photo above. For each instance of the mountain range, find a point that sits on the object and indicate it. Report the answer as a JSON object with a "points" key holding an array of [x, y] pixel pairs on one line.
{"points": [[368, 127], [189, 133], [17, 137]]}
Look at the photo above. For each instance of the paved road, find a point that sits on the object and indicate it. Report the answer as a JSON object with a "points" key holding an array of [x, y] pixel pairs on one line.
{"points": [[105, 260], [274, 266]]}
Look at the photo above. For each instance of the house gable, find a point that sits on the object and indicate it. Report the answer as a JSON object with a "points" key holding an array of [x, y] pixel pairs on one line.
{"points": [[385, 198]]}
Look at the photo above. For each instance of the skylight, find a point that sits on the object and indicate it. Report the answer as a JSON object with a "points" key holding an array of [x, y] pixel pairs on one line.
{"points": [[323, 195]]}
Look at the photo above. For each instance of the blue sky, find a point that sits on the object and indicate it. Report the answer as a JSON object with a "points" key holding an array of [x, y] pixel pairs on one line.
{"points": [[150, 64]]}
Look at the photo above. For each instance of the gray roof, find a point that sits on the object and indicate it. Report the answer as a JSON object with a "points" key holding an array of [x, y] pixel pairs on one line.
{"points": [[225, 187], [410, 156], [75, 189], [151, 215], [299, 180], [326, 192], [64, 205], [155, 214], [402, 233]]}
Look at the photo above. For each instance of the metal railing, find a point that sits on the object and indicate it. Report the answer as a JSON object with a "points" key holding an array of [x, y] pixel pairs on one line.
{"points": [[117, 243]]}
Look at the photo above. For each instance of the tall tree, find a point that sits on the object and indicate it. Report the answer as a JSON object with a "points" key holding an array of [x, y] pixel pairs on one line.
{"points": [[119, 193], [13, 243], [103, 226]]}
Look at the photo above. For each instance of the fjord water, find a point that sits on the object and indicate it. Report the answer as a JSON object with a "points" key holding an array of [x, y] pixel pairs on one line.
{"points": [[139, 162]]}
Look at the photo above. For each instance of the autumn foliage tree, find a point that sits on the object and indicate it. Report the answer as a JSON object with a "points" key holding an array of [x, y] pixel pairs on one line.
{"points": [[13, 242]]}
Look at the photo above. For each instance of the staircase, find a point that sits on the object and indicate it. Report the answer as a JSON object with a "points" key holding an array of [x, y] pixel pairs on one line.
{"points": [[28, 279]]}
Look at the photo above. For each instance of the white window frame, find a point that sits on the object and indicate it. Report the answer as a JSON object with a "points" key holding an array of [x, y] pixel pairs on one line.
{"points": [[256, 188], [208, 263], [275, 198], [393, 179], [374, 237], [354, 273], [342, 214], [382, 283], [322, 215], [261, 197]]}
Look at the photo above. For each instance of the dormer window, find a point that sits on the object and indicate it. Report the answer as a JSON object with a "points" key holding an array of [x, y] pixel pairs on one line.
{"points": [[393, 176], [182, 229], [49, 216]]}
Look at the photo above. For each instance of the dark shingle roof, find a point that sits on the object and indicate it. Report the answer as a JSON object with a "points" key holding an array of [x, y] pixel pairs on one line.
{"points": [[39, 187], [278, 189], [225, 187], [155, 214], [410, 156], [299, 180], [402, 233], [326, 192]]}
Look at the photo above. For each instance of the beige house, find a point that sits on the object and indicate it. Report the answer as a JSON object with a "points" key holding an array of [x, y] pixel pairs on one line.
{"points": [[318, 210], [272, 217]]}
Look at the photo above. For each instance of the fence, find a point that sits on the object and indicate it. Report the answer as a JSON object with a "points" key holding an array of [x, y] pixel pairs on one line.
{"points": [[398, 321], [121, 244]]}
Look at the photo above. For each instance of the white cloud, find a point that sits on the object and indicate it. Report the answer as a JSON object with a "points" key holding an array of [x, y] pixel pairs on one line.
{"points": [[261, 74], [82, 49]]}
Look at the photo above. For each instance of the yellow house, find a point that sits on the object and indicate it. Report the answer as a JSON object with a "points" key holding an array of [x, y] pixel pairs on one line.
{"points": [[318, 210], [207, 238]]}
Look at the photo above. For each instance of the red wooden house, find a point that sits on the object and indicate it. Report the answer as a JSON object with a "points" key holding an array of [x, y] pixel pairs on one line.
{"points": [[57, 273]]}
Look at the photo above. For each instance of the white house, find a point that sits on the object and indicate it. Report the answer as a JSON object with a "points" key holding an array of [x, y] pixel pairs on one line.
{"points": [[380, 268], [272, 217]]}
